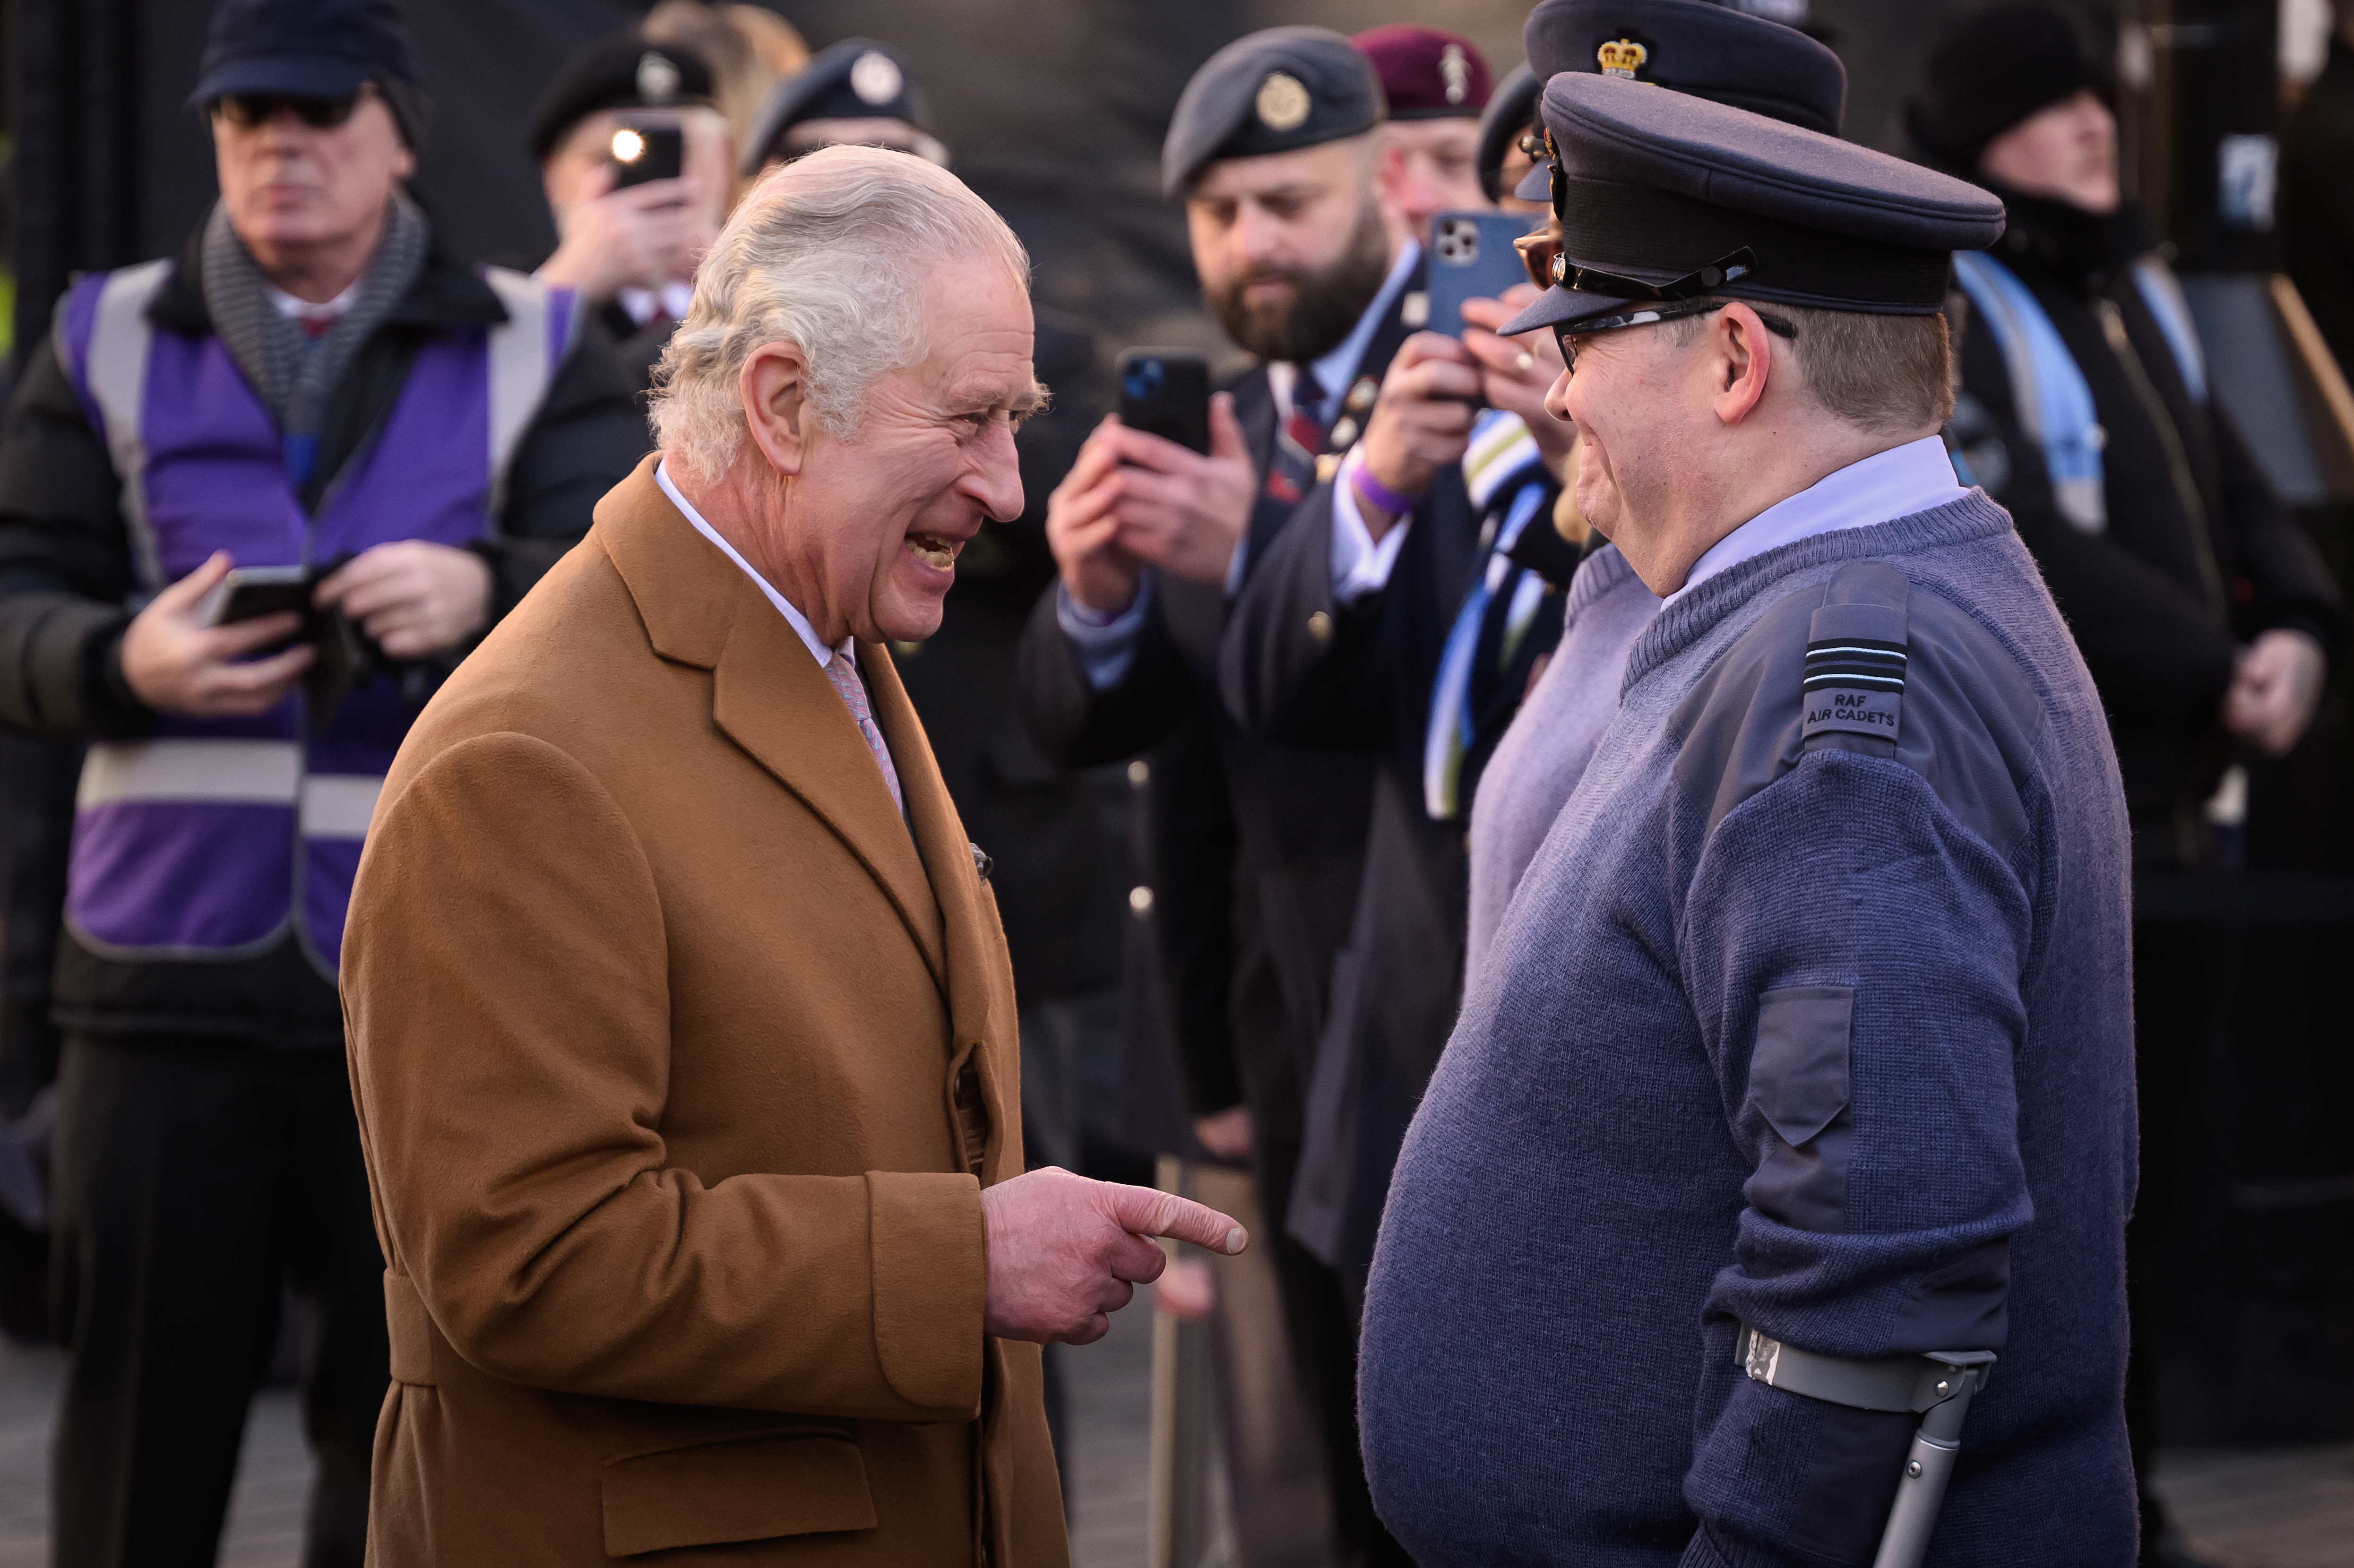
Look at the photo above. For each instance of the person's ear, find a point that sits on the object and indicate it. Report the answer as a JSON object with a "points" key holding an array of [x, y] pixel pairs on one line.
{"points": [[1741, 359], [774, 388]]}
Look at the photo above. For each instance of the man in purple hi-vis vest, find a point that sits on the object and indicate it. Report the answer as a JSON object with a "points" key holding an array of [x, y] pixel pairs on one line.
{"points": [[312, 383]]}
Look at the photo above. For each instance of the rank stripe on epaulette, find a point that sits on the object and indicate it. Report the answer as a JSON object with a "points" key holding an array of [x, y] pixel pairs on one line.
{"points": [[1860, 661]]}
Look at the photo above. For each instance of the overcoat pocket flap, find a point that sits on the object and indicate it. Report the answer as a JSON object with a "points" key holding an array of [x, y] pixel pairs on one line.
{"points": [[1798, 1074], [750, 1489]]}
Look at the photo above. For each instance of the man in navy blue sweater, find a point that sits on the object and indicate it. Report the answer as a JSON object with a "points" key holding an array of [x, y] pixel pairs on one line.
{"points": [[1807, 1033]]}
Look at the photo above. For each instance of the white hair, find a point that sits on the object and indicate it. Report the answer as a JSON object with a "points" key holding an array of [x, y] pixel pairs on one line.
{"points": [[833, 253]]}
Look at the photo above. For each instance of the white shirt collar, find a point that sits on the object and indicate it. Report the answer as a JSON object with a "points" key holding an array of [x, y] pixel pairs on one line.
{"points": [[294, 309], [1333, 371], [1886, 485], [793, 618], [673, 300]]}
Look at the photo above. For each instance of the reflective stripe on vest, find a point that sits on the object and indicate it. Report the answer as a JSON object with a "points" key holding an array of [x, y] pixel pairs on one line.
{"points": [[208, 838], [525, 354], [247, 772], [115, 376]]}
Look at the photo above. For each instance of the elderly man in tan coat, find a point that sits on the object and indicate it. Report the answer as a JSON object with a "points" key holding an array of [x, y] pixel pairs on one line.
{"points": [[682, 1033]]}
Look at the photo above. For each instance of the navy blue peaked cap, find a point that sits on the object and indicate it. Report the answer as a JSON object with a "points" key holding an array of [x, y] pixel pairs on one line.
{"points": [[1691, 46], [307, 48], [857, 79], [1511, 110], [1663, 196], [1270, 91]]}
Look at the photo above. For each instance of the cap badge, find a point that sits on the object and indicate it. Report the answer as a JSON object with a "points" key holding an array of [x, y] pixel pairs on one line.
{"points": [[876, 77], [1560, 267], [1621, 58], [1456, 71], [1282, 103], [657, 78]]}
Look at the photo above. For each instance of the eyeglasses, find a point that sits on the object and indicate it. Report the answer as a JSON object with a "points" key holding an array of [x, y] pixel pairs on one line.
{"points": [[252, 110], [1566, 334]]}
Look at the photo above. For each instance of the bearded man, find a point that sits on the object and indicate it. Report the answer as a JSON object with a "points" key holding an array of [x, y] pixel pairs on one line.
{"points": [[1259, 845]]}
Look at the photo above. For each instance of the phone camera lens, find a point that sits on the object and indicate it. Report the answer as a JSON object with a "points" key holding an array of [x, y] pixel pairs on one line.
{"points": [[1144, 379]]}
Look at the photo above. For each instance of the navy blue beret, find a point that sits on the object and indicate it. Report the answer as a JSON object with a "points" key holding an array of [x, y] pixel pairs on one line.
{"points": [[857, 79], [1270, 91], [1511, 111], [1665, 191]]}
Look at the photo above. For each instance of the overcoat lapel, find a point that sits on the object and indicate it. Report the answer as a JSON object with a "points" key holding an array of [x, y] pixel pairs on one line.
{"points": [[947, 856], [768, 695]]}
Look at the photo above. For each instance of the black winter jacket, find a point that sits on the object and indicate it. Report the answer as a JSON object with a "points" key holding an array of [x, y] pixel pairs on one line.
{"points": [[2196, 559]]}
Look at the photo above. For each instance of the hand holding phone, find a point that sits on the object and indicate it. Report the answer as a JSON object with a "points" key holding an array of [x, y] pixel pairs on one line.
{"points": [[176, 658], [645, 152]]}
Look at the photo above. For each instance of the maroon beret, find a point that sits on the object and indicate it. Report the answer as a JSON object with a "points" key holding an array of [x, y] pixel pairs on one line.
{"points": [[1426, 74]]}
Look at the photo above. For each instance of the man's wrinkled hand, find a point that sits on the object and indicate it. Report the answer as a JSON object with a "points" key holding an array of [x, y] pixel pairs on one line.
{"points": [[1423, 420], [1178, 509], [413, 596], [1065, 1253], [2276, 689], [176, 664]]}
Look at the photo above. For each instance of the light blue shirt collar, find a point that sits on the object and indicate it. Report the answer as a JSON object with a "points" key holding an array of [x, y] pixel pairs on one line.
{"points": [[1883, 487], [793, 618], [1332, 372]]}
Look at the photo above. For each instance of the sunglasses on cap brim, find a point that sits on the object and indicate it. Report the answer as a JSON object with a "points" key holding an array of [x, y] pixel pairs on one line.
{"points": [[251, 111]]}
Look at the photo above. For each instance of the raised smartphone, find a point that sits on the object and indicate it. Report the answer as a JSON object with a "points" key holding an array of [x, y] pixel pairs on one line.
{"points": [[1167, 392], [1471, 257]]}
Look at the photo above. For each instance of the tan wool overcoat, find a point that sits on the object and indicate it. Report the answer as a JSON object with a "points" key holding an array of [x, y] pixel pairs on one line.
{"points": [[659, 1023]]}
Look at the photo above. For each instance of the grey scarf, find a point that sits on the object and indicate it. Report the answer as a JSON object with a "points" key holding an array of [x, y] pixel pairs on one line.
{"points": [[292, 372]]}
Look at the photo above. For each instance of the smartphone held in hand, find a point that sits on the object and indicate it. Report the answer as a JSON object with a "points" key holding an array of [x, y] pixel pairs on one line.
{"points": [[1165, 392], [1471, 257]]}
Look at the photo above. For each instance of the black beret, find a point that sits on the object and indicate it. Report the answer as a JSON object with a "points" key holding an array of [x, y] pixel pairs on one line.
{"points": [[1695, 48], [1667, 190], [857, 79], [1989, 68], [1270, 91], [620, 72], [1511, 111]]}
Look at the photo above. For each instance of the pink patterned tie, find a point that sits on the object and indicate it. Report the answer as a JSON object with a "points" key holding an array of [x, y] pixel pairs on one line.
{"points": [[852, 692]]}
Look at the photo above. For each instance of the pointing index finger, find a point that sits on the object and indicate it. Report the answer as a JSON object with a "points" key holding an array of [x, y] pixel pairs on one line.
{"points": [[1147, 1213]]}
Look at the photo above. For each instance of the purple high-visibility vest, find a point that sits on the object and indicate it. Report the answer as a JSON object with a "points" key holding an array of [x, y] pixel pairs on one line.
{"points": [[211, 837]]}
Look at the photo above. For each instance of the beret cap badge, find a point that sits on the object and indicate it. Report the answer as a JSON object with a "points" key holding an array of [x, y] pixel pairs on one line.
{"points": [[1622, 57], [658, 78], [1282, 103], [876, 77], [1456, 71]]}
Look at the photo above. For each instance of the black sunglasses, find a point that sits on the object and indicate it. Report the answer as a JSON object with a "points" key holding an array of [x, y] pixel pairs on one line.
{"points": [[251, 111]]}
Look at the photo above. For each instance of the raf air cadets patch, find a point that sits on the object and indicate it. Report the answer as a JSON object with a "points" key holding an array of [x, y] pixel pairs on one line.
{"points": [[1854, 681], [1282, 103], [1622, 57]]}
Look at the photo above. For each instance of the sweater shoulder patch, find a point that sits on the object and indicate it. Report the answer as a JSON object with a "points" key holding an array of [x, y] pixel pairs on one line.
{"points": [[1866, 662]]}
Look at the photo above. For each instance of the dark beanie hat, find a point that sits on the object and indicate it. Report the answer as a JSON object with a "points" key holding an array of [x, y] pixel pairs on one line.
{"points": [[1990, 67]]}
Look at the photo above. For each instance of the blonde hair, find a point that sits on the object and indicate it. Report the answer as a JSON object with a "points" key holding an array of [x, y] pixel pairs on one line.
{"points": [[833, 253], [749, 49]]}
